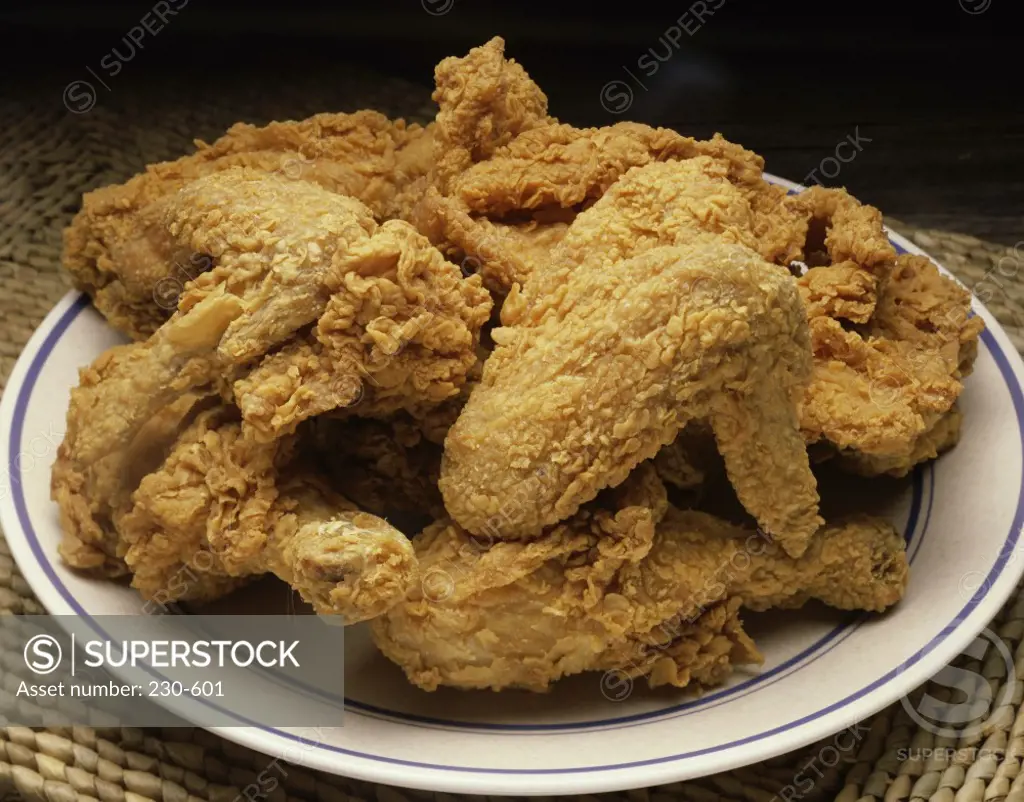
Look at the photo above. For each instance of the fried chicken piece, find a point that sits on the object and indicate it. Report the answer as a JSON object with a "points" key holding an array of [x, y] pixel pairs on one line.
{"points": [[223, 508], [484, 101], [502, 254], [399, 332], [602, 362], [930, 444], [89, 496], [396, 325], [685, 333], [280, 280], [386, 465], [560, 166], [922, 307], [505, 253], [848, 252], [619, 592], [117, 248], [879, 395], [269, 276], [272, 278], [521, 162], [657, 205], [127, 390], [843, 290], [872, 394], [274, 243]]}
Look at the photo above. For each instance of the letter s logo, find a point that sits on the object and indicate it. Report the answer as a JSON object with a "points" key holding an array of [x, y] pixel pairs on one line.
{"points": [[42, 654]]}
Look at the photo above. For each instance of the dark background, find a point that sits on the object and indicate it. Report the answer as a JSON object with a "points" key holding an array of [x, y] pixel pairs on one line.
{"points": [[935, 88]]}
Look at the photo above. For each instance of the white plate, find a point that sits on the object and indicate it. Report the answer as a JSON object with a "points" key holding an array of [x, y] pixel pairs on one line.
{"points": [[825, 670]]}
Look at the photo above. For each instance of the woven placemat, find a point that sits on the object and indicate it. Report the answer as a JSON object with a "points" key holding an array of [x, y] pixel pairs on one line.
{"points": [[49, 157]]}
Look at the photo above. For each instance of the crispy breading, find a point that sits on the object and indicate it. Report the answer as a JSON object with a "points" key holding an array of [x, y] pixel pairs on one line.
{"points": [[843, 232], [876, 394], [843, 290], [558, 165], [223, 508], [483, 101], [502, 254], [396, 325], [117, 248], [619, 591], [684, 333], [930, 444], [608, 356]]}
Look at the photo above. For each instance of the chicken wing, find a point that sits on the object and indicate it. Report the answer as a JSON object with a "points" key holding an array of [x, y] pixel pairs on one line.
{"points": [[117, 248], [605, 357]]}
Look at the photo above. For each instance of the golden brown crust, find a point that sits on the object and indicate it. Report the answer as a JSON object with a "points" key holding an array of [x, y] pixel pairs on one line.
{"points": [[117, 249], [877, 393], [622, 342], [217, 513], [484, 100], [621, 592]]}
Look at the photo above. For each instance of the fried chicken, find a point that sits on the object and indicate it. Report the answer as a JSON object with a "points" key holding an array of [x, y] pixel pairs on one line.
{"points": [[117, 248], [396, 326], [930, 444], [606, 356], [922, 307], [89, 494], [560, 166], [548, 173], [223, 508], [484, 100], [502, 254], [314, 301], [842, 291], [878, 394], [619, 591], [288, 255]]}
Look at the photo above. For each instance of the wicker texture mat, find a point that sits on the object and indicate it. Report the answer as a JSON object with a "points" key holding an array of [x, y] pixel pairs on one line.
{"points": [[48, 157]]}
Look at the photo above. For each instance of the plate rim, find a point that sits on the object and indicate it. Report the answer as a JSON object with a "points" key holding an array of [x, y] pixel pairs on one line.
{"points": [[955, 636]]}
